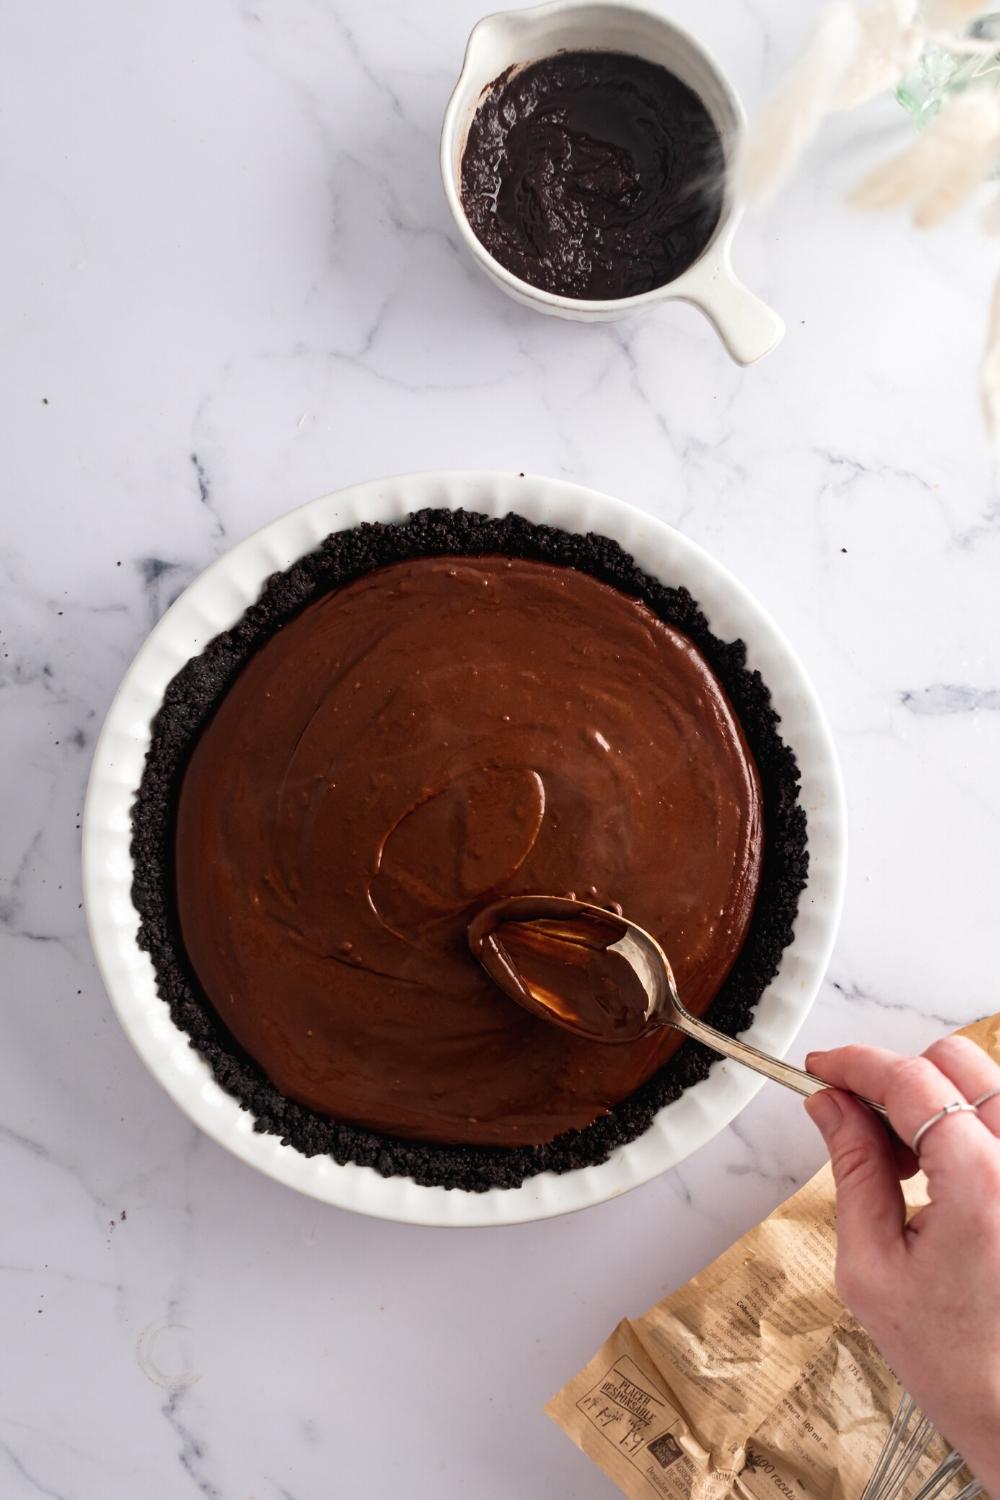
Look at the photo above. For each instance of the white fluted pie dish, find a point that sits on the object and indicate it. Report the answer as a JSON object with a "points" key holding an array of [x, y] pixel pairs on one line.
{"points": [[213, 603]]}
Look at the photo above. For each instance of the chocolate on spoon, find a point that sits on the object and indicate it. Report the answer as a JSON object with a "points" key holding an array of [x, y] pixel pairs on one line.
{"points": [[603, 977]]}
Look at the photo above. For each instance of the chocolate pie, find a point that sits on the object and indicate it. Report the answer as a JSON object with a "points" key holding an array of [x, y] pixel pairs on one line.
{"points": [[413, 721]]}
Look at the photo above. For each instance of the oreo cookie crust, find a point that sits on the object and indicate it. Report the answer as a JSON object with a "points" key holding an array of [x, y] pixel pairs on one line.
{"points": [[189, 701]]}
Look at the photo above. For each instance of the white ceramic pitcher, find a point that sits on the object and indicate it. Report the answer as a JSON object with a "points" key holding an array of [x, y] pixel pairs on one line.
{"points": [[747, 326]]}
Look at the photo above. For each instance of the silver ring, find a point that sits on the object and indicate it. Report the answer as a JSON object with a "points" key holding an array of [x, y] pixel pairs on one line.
{"points": [[956, 1107], [985, 1098]]}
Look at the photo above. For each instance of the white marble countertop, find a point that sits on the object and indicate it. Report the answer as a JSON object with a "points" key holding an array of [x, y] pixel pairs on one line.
{"points": [[229, 284]]}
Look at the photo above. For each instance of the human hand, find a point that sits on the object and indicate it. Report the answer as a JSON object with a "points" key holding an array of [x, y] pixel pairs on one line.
{"points": [[927, 1291]]}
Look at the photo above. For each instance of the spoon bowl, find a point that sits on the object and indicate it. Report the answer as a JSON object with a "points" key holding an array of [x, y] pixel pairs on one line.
{"points": [[580, 966]]}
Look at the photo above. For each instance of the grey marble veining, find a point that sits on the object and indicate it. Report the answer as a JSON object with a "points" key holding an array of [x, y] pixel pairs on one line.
{"points": [[230, 283]]}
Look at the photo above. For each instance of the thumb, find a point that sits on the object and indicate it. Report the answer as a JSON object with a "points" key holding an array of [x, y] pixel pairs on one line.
{"points": [[871, 1211]]}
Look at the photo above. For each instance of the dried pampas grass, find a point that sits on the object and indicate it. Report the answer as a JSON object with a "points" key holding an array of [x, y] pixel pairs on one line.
{"points": [[856, 52], [952, 15], [943, 167], [890, 43], [989, 371], [790, 118]]}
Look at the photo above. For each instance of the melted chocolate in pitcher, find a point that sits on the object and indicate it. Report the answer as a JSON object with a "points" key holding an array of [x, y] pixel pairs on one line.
{"points": [[593, 174]]}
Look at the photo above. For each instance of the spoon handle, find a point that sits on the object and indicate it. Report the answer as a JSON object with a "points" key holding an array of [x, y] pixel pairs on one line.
{"points": [[780, 1072]]}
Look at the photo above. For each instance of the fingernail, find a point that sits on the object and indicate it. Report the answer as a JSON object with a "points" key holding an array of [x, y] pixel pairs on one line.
{"points": [[824, 1110], [811, 1056]]}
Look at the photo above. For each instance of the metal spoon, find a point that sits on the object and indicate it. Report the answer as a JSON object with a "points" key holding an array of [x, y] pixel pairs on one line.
{"points": [[601, 976]]}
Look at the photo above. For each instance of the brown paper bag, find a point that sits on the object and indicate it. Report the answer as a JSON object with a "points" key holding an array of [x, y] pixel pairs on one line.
{"points": [[751, 1381]]}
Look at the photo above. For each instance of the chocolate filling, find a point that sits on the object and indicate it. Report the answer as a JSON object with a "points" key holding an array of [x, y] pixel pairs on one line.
{"points": [[198, 689], [435, 735]]}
